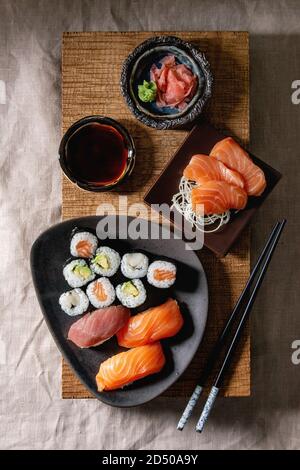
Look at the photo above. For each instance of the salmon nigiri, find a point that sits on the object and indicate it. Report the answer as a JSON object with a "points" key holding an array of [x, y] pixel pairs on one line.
{"points": [[217, 197], [126, 367], [152, 325], [203, 168], [233, 156]]}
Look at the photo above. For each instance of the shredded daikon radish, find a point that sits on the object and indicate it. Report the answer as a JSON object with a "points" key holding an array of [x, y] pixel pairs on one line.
{"points": [[181, 201]]}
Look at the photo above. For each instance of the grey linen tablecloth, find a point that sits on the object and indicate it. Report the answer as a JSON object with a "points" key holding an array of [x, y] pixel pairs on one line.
{"points": [[32, 414]]}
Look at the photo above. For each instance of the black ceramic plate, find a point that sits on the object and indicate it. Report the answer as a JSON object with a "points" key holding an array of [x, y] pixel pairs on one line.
{"points": [[48, 254]]}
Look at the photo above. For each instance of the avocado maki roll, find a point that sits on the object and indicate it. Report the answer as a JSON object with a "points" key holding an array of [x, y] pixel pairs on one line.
{"points": [[106, 261], [131, 293], [74, 302], [77, 273]]}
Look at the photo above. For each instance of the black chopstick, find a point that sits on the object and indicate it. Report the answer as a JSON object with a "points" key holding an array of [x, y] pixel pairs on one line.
{"points": [[224, 334], [231, 347]]}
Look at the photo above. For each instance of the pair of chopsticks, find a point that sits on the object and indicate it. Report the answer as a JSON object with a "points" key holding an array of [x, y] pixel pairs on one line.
{"points": [[241, 310]]}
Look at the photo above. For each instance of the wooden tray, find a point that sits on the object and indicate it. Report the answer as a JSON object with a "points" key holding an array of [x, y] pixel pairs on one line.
{"points": [[91, 64]]}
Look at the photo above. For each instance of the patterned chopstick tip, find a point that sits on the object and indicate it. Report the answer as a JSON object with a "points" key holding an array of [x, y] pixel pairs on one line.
{"points": [[207, 408], [189, 407]]}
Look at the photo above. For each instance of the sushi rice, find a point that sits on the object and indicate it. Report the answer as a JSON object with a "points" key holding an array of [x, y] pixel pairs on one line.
{"points": [[74, 302], [131, 293], [103, 286], [134, 265], [106, 261], [83, 244], [161, 274], [77, 273]]}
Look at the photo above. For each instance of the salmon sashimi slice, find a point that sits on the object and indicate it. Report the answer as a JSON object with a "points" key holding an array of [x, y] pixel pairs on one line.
{"points": [[217, 197], [152, 325], [203, 168], [128, 366], [99, 291], [94, 328], [234, 157], [84, 249], [164, 275]]}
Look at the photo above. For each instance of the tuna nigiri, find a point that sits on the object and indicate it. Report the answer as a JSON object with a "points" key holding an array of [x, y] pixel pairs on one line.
{"points": [[152, 325], [126, 367], [217, 197], [203, 168], [96, 327], [233, 156]]}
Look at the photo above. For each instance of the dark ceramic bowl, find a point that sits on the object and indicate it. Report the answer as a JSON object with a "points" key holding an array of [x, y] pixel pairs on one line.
{"points": [[136, 69], [65, 157]]}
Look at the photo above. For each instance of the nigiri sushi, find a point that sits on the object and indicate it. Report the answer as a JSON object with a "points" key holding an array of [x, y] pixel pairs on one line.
{"points": [[203, 168], [126, 367], [152, 325], [96, 327], [234, 157], [217, 197]]}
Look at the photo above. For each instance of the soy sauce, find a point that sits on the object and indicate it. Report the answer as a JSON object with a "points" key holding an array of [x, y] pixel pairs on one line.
{"points": [[97, 154]]}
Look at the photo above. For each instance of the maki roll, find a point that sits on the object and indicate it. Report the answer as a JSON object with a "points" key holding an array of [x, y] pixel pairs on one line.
{"points": [[77, 273], [83, 244], [131, 293], [106, 261], [74, 302], [161, 274], [101, 293], [134, 265]]}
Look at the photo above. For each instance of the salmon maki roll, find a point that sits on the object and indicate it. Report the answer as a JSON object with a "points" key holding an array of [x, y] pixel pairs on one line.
{"points": [[217, 197], [101, 293], [152, 325], [161, 274], [126, 367], [203, 168], [83, 244], [234, 157]]}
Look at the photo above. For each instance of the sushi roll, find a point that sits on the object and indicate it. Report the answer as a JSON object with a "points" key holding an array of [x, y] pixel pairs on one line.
{"points": [[101, 293], [161, 274], [134, 265], [106, 261], [74, 302], [131, 293], [83, 244], [77, 273]]}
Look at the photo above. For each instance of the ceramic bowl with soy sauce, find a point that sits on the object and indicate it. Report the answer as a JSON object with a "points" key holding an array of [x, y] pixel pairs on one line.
{"points": [[97, 153], [180, 75]]}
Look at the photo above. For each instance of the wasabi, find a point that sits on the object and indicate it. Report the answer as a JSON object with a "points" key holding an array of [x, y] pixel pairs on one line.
{"points": [[147, 91]]}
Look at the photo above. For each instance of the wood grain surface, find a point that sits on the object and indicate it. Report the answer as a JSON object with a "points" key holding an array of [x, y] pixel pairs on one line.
{"points": [[91, 64]]}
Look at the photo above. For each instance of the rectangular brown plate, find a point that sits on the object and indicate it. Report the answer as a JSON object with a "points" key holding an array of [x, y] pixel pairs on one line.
{"points": [[201, 140], [91, 65]]}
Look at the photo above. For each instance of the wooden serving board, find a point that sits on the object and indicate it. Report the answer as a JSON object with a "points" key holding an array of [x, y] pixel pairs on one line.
{"points": [[91, 65]]}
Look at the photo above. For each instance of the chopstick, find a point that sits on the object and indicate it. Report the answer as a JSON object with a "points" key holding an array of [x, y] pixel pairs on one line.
{"points": [[231, 348], [267, 250]]}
